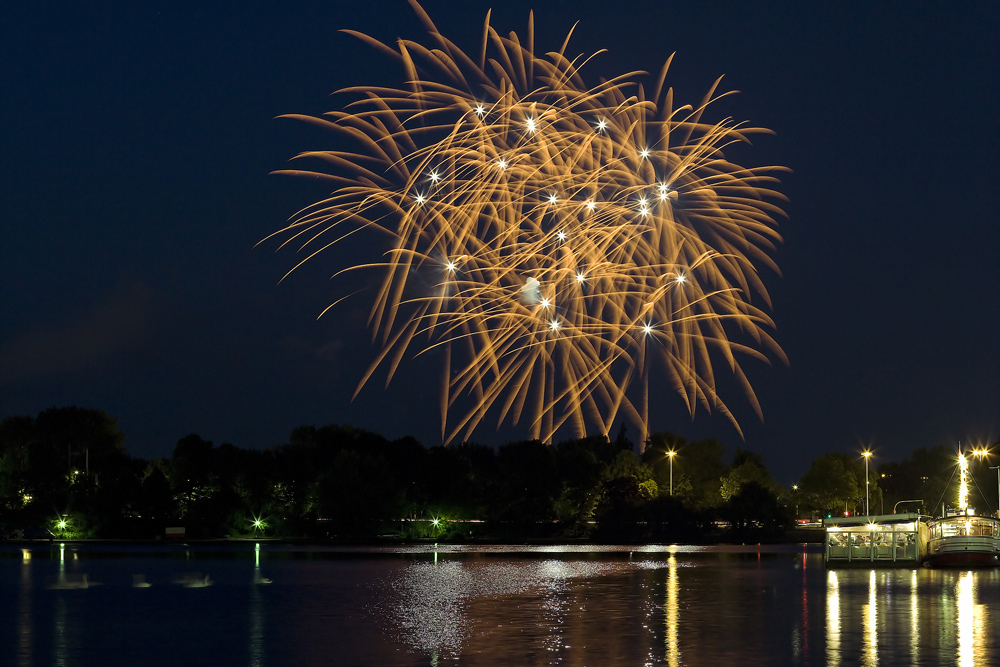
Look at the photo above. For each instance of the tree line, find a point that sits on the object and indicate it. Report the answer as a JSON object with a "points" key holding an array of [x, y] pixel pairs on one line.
{"points": [[66, 474]]}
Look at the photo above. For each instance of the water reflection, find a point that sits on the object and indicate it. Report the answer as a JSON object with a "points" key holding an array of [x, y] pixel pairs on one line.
{"points": [[257, 623], [672, 606], [642, 610], [258, 578], [800, 637], [672, 612], [59, 618], [712, 611], [965, 601], [445, 605], [924, 616], [973, 622], [914, 618], [432, 617], [25, 628], [832, 618], [870, 613]]}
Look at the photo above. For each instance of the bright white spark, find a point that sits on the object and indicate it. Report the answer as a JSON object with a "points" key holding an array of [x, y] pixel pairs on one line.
{"points": [[435, 177], [554, 325], [580, 277], [531, 124], [553, 199], [591, 205], [502, 163], [561, 235], [480, 110], [602, 125], [420, 199], [644, 153]]}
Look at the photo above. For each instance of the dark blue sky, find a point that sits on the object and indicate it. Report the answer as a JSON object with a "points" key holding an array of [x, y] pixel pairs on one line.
{"points": [[137, 143]]}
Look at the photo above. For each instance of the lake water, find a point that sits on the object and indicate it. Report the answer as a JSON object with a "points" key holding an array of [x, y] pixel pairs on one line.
{"points": [[268, 604]]}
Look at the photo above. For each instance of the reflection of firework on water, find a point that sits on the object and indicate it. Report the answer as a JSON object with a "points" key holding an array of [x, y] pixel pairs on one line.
{"points": [[576, 239]]}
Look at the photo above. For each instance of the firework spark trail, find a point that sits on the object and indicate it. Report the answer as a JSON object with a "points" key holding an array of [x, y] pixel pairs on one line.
{"points": [[578, 239]]}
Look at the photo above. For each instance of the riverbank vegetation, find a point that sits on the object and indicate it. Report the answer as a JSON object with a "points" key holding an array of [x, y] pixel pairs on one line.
{"points": [[66, 474]]}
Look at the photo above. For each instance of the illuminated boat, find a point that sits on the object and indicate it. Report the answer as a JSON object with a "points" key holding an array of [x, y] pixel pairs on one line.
{"points": [[961, 538], [893, 540]]}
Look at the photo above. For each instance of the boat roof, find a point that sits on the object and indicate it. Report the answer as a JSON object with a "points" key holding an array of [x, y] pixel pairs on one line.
{"points": [[883, 519], [962, 517]]}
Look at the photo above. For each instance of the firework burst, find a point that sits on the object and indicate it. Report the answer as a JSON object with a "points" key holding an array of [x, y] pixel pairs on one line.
{"points": [[575, 239]]}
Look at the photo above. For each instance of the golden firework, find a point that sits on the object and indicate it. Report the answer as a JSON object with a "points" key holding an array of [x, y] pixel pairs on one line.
{"points": [[578, 238]]}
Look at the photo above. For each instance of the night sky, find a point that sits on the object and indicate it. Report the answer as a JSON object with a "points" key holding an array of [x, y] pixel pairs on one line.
{"points": [[137, 141]]}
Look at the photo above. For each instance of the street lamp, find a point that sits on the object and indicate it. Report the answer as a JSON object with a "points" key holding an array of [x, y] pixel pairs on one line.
{"points": [[671, 455], [867, 454]]}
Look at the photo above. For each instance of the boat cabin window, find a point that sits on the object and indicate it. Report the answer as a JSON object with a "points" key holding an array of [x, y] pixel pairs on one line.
{"points": [[964, 528]]}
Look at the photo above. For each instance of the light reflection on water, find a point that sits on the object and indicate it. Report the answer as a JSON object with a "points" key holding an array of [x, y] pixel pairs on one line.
{"points": [[671, 613], [833, 617], [275, 605], [25, 633], [870, 613]]}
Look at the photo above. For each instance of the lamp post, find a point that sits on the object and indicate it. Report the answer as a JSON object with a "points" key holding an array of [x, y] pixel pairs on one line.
{"points": [[867, 454], [795, 492], [671, 455]]}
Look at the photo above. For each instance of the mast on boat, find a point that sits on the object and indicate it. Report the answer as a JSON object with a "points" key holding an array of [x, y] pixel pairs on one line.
{"points": [[963, 487]]}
